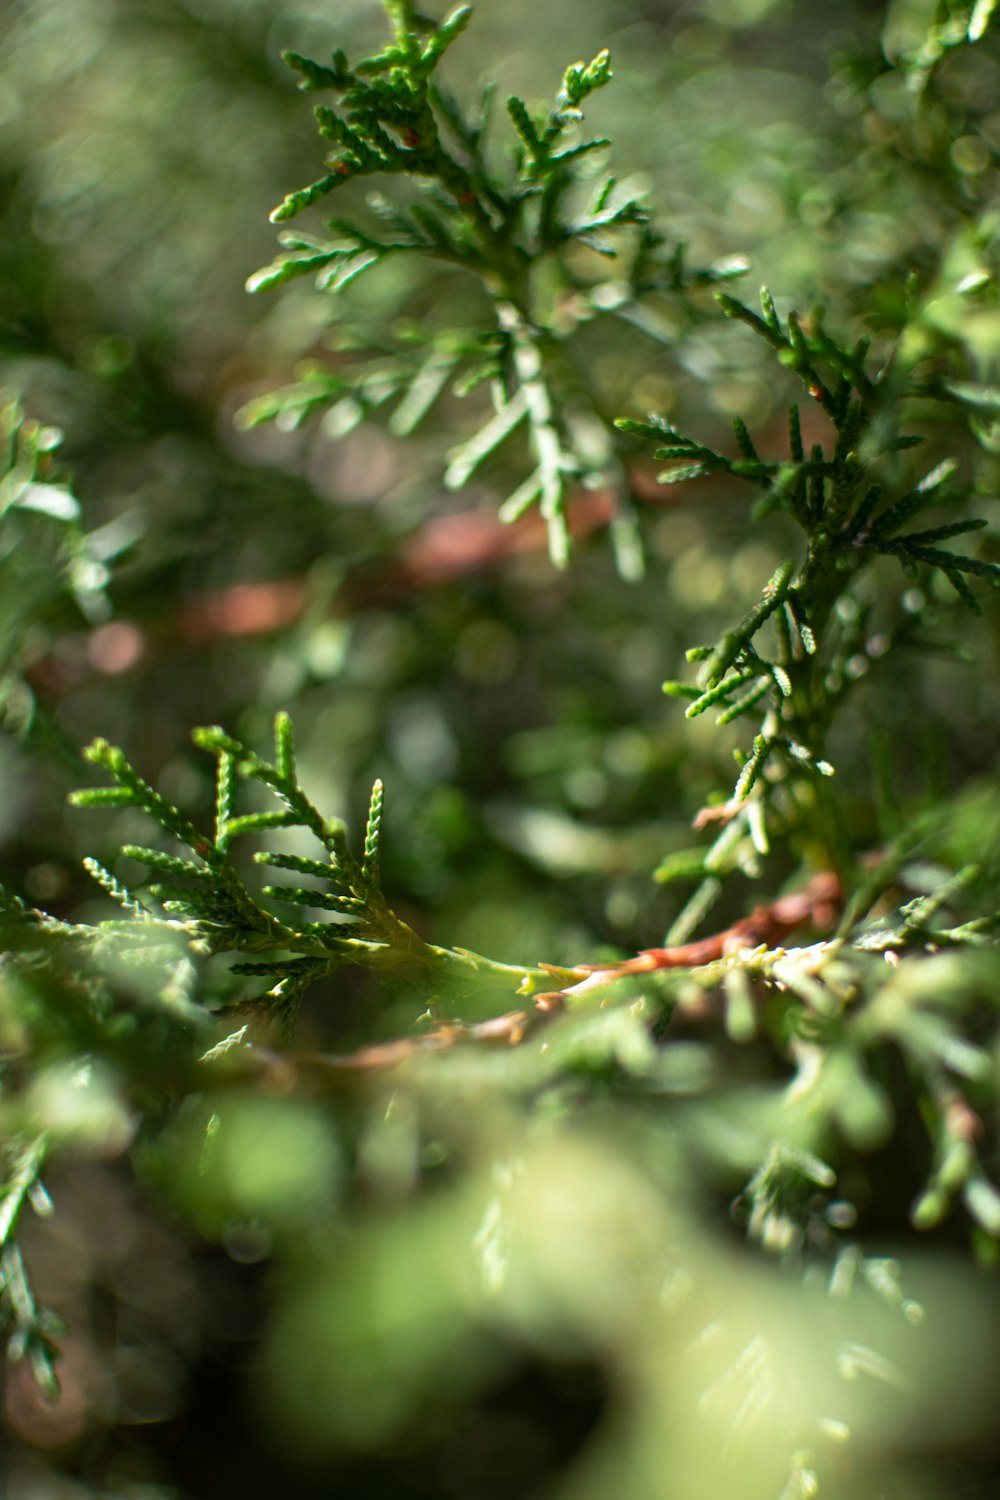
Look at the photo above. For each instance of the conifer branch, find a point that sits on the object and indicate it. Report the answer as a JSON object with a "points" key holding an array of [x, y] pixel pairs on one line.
{"points": [[208, 897], [31, 1331], [784, 660], [393, 118]]}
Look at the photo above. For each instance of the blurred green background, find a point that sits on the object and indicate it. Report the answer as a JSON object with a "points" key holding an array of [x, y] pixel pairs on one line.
{"points": [[535, 774]]}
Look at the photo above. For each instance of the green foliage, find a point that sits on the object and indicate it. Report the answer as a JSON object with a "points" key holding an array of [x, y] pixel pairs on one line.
{"points": [[687, 1201], [47, 561], [31, 1330], [792, 659], [919, 51], [519, 234], [214, 907]]}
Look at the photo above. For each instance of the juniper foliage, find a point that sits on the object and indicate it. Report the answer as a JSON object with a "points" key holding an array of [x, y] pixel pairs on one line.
{"points": [[545, 1160], [792, 658], [49, 566], [518, 232]]}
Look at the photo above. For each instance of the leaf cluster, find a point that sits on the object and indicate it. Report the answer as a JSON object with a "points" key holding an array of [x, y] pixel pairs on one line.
{"points": [[791, 659], [31, 1331], [518, 233], [49, 565], [207, 894], [593, 1137]]}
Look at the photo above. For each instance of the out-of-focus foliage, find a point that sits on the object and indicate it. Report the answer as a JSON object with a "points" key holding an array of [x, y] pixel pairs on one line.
{"points": [[728, 1227], [47, 563]]}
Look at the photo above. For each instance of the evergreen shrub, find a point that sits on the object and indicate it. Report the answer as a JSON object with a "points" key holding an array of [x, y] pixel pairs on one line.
{"points": [[606, 1101]]}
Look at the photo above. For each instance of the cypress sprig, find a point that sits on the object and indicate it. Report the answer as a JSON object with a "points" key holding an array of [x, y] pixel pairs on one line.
{"points": [[31, 1331], [905, 990], [41, 520], [211, 901], [960, 24], [393, 118], [373, 838], [294, 862], [786, 661], [115, 889], [133, 791]]}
